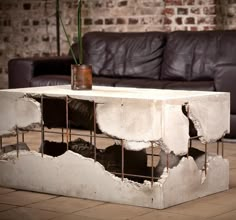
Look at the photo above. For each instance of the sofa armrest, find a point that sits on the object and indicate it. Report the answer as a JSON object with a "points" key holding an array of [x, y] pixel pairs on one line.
{"points": [[22, 70]]}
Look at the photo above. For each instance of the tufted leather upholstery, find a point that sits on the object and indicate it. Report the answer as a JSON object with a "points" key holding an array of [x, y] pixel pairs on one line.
{"points": [[131, 55]]}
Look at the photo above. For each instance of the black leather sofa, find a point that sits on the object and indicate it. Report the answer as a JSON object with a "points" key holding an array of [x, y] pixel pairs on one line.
{"points": [[204, 60]]}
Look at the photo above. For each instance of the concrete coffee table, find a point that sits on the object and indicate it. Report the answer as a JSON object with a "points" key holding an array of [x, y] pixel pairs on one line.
{"points": [[139, 118]]}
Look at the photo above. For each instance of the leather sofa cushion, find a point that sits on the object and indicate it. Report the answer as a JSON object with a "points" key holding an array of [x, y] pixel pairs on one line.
{"points": [[50, 80], [141, 83], [166, 84], [133, 55], [190, 55], [104, 81], [225, 73], [225, 82], [226, 48], [191, 85]]}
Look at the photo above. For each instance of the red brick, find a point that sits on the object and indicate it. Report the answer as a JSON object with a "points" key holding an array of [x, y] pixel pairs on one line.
{"points": [[122, 3], [120, 21], [195, 10], [133, 21], [209, 28], [109, 21], [167, 21], [201, 20], [169, 11], [179, 21], [173, 2], [188, 2], [182, 11], [207, 20], [193, 28], [209, 10], [190, 20], [98, 21], [206, 2]]}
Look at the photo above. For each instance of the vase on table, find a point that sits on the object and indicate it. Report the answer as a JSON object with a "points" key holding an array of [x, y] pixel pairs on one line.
{"points": [[81, 77]]}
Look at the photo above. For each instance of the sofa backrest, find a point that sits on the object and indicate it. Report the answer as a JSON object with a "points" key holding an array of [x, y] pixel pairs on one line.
{"points": [[225, 72], [190, 55], [131, 55]]}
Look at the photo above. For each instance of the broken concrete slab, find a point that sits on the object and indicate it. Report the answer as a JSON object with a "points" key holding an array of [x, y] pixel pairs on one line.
{"points": [[159, 114], [74, 175], [18, 111]]}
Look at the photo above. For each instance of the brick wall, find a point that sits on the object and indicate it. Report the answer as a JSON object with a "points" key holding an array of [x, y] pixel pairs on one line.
{"points": [[190, 15], [28, 27]]}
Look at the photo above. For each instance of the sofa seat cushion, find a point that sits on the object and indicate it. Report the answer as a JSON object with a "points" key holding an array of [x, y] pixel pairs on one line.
{"points": [[104, 81], [50, 80], [141, 83], [136, 55], [191, 85]]}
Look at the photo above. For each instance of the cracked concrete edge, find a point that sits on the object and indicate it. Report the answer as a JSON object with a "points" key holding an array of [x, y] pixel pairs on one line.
{"points": [[18, 111], [74, 175]]}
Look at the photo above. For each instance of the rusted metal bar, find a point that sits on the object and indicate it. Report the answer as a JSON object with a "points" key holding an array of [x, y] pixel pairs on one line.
{"points": [[205, 159], [195, 137], [62, 135], [23, 137], [94, 131], [67, 124], [84, 135], [167, 162], [17, 142], [122, 160], [190, 145], [152, 161], [150, 154], [90, 137], [70, 137], [42, 128], [134, 175], [222, 147]]}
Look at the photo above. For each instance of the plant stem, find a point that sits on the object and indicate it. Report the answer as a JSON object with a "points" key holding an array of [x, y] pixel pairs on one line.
{"points": [[79, 32], [68, 41]]}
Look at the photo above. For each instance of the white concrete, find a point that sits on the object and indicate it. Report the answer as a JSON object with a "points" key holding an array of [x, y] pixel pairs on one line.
{"points": [[18, 111], [139, 115], [73, 175]]}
